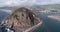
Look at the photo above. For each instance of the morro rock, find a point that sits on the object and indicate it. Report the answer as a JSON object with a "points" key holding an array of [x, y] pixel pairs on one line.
{"points": [[21, 19]]}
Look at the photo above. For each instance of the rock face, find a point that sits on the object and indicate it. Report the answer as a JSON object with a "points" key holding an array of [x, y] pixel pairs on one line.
{"points": [[21, 19]]}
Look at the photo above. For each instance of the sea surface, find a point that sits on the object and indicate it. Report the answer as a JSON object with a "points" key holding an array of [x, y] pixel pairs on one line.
{"points": [[3, 15], [49, 24]]}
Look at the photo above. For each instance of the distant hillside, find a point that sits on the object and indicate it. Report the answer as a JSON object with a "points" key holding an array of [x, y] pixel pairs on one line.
{"points": [[48, 6]]}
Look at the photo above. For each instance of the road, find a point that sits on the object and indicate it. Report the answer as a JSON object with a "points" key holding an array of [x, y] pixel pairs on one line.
{"points": [[49, 25]]}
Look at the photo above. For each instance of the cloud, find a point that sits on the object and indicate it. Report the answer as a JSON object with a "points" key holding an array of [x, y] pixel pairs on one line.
{"points": [[27, 2], [15, 2], [11, 2], [44, 2], [19, 2]]}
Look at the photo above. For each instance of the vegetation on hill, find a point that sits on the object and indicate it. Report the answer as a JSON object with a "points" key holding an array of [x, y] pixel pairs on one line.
{"points": [[21, 19]]}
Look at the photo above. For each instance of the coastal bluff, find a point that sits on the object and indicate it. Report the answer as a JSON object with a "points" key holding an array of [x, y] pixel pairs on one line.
{"points": [[21, 19]]}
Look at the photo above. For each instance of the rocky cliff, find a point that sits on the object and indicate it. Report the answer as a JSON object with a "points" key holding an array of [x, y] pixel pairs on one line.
{"points": [[21, 19]]}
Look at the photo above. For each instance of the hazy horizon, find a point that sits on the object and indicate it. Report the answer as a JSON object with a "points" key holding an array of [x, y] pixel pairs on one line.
{"points": [[27, 2]]}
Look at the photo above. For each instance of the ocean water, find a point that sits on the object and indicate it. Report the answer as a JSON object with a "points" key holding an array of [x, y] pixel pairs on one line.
{"points": [[49, 24], [3, 15]]}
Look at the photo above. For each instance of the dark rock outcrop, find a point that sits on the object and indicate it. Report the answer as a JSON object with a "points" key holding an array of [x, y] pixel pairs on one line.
{"points": [[21, 19]]}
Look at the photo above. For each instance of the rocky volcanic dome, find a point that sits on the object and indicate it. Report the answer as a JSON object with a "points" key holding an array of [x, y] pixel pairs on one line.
{"points": [[21, 19]]}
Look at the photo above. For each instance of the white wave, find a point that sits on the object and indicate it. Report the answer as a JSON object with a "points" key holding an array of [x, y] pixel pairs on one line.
{"points": [[8, 11]]}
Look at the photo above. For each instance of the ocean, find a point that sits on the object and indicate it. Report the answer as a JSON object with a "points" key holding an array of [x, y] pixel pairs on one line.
{"points": [[49, 24], [3, 14]]}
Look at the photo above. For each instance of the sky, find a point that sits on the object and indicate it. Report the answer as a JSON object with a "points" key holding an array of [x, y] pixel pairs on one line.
{"points": [[27, 2], [18, 3]]}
